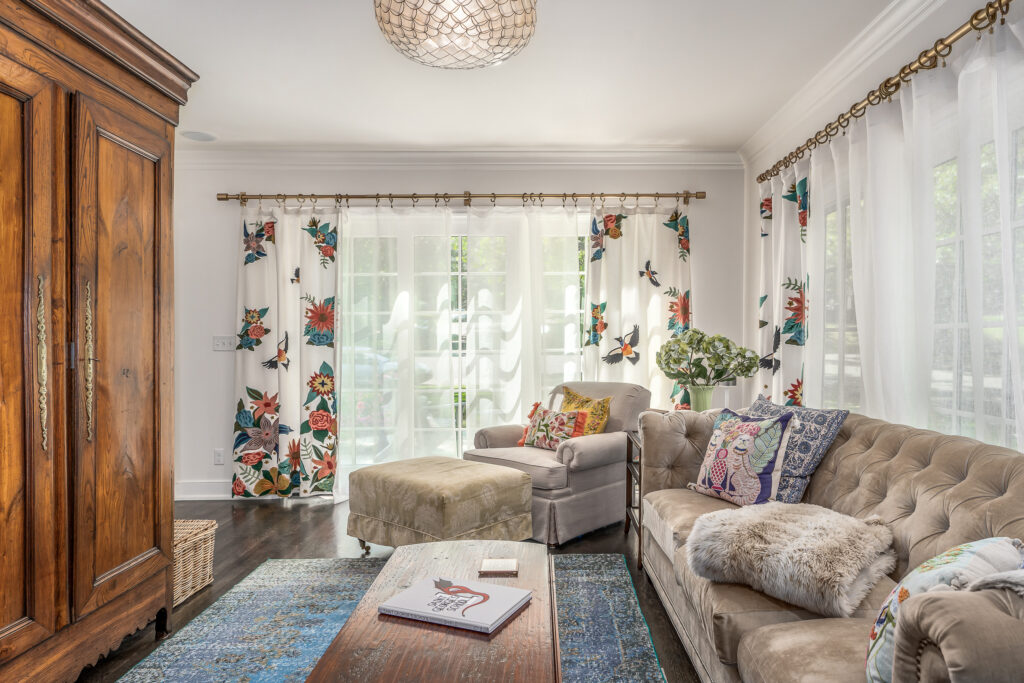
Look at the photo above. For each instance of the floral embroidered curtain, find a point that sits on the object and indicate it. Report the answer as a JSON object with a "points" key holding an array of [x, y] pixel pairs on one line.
{"points": [[285, 428], [637, 296], [782, 303]]}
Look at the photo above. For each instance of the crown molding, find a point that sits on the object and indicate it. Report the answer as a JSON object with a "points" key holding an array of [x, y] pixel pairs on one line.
{"points": [[226, 157], [799, 116]]}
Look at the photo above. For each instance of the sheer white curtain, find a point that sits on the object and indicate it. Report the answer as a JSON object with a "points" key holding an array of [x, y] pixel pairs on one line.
{"points": [[521, 279], [917, 217], [450, 321], [397, 369]]}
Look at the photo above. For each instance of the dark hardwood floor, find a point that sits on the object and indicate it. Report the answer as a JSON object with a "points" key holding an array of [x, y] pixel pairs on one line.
{"points": [[253, 531]]}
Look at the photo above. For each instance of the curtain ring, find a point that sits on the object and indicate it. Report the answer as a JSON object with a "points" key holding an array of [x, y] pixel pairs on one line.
{"points": [[574, 202], [657, 196], [446, 198], [280, 200], [378, 201], [437, 200], [391, 200], [565, 198], [494, 199], [541, 198], [414, 199], [259, 204], [602, 202], [301, 199], [637, 198], [524, 199], [313, 198]]}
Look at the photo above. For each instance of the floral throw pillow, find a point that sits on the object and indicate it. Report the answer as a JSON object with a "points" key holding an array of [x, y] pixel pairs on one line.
{"points": [[596, 408], [743, 463], [951, 570], [812, 434], [549, 428]]}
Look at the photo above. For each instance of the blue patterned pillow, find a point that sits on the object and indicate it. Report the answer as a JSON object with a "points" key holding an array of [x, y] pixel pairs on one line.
{"points": [[812, 435]]}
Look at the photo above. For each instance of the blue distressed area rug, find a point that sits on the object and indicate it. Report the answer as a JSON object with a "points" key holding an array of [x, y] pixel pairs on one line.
{"points": [[276, 623]]}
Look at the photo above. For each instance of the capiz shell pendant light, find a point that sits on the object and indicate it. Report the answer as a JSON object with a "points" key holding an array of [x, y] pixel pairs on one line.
{"points": [[457, 34]]}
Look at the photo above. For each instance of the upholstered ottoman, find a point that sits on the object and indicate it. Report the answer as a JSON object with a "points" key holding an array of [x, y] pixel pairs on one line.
{"points": [[438, 499]]}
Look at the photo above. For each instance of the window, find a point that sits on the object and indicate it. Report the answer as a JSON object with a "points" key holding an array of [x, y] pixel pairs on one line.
{"points": [[434, 332], [971, 393]]}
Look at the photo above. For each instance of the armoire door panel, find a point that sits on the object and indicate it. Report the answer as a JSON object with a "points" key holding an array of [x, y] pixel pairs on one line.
{"points": [[32, 588], [121, 489]]}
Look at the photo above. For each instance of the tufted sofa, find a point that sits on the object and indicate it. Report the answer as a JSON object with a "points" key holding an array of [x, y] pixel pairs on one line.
{"points": [[934, 490]]}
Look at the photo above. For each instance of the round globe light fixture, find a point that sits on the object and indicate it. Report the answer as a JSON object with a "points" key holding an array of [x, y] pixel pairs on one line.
{"points": [[457, 34]]}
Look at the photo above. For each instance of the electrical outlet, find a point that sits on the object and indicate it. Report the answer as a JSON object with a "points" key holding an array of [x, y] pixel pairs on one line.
{"points": [[218, 456], [224, 343]]}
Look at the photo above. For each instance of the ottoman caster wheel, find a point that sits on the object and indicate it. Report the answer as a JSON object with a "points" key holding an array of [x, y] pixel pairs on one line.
{"points": [[365, 547]]}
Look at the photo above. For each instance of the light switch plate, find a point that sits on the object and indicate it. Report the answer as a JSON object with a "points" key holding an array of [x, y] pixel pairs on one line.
{"points": [[218, 456], [224, 343]]}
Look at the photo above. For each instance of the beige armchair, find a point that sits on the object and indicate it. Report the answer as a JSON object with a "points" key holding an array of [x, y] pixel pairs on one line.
{"points": [[581, 486]]}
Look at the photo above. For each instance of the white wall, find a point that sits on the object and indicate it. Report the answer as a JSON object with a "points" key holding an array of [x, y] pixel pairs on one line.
{"points": [[206, 245]]}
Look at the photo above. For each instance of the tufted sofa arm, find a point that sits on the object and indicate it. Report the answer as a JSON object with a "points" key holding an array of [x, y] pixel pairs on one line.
{"points": [[960, 636], [502, 436], [673, 447]]}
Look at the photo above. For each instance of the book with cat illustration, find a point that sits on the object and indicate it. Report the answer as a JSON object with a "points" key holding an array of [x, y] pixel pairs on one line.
{"points": [[473, 605]]}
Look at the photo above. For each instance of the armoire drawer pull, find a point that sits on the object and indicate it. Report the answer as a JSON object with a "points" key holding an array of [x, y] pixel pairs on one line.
{"points": [[41, 363], [90, 353]]}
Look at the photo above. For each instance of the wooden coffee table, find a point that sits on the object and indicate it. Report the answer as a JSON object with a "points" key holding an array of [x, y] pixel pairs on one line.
{"points": [[376, 647]]}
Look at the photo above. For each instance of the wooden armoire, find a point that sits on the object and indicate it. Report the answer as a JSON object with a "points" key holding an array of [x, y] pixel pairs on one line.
{"points": [[88, 107]]}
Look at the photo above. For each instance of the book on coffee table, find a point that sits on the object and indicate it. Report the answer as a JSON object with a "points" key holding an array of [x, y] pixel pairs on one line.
{"points": [[491, 566], [472, 605]]}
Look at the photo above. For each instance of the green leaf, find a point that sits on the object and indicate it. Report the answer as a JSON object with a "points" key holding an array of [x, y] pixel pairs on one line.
{"points": [[326, 369], [253, 394]]}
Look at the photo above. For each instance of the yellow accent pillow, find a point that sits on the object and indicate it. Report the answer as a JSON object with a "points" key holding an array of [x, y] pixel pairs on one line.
{"points": [[596, 408]]}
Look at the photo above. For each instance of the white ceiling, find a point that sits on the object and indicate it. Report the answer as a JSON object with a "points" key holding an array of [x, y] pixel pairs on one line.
{"points": [[599, 74]]}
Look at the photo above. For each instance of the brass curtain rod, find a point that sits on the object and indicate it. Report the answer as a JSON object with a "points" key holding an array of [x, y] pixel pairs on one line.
{"points": [[468, 197], [984, 18]]}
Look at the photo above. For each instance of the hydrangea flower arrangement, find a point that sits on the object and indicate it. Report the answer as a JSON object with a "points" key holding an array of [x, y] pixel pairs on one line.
{"points": [[694, 358]]}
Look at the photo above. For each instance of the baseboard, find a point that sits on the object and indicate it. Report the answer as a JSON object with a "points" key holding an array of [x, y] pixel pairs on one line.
{"points": [[202, 489]]}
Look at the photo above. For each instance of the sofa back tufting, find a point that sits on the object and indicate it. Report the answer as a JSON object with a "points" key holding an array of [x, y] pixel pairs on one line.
{"points": [[934, 490]]}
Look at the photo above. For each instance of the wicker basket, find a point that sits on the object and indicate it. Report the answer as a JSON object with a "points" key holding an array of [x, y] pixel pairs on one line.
{"points": [[193, 556]]}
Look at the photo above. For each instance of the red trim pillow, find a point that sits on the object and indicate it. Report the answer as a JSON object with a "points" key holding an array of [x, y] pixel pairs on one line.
{"points": [[526, 429], [549, 428]]}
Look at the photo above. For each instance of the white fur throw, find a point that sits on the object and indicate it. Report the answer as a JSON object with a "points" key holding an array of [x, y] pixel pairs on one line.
{"points": [[807, 555]]}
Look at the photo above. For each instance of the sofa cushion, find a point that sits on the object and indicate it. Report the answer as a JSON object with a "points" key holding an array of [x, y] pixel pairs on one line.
{"points": [[541, 464], [728, 611], [804, 651], [669, 514]]}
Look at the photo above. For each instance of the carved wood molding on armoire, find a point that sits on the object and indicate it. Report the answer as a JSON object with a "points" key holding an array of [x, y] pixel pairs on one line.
{"points": [[88, 107]]}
